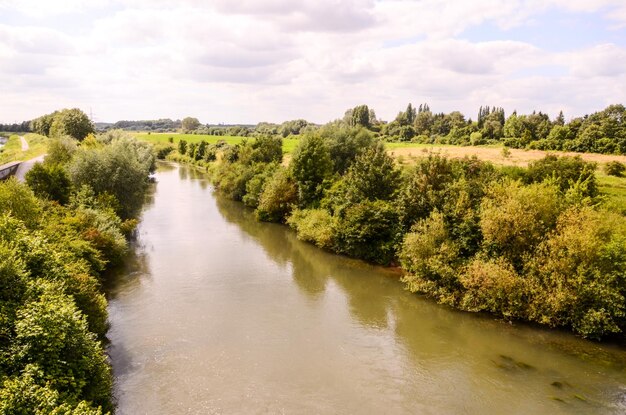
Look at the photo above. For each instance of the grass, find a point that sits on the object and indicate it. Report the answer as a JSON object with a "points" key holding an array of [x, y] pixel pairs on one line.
{"points": [[12, 150], [614, 188], [289, 144]]}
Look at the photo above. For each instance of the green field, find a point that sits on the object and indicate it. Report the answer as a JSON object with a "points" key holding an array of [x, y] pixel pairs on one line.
{"points": [[12, 150], [289, 144]]}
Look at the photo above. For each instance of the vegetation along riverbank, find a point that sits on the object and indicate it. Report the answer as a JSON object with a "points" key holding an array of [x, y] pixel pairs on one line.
{"points": [[59, 232], [541, 243]]}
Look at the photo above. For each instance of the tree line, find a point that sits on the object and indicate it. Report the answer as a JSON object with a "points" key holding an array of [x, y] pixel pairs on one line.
{"points": [[535, 244], [59, 232]]}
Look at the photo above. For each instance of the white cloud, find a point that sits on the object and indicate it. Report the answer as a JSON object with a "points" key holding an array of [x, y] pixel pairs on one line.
{"points": [[250, 61]]}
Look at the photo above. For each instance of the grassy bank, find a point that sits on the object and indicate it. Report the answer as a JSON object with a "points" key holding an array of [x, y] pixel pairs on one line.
{"points": [[12, 150]]}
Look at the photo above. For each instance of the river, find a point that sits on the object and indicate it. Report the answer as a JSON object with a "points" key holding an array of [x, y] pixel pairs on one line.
{"points": [[218, 313]]}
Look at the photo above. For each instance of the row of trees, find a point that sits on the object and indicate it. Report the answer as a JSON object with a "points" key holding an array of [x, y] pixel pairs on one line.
{"points": [[530, 243], [601, 132], [67, 122], [58, 233]]}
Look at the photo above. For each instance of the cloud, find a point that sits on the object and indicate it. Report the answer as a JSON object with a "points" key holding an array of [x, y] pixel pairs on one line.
{"points": [[248, 61]]}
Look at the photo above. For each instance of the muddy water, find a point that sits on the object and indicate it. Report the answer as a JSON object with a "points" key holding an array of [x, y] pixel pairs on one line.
{"points": [[218, 313]]}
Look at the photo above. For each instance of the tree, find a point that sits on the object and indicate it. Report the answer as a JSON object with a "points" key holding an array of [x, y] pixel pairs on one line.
{"points": [[52, 334], [278, 198], [72, 122], [373, 176], [360, 116], [190, 124], [49, 182], [182, 147], [117, 170], [311, 166]]}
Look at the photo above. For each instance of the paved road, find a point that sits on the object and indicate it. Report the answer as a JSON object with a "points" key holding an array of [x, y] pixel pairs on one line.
{"points": [[26, 166], [24, 143]]}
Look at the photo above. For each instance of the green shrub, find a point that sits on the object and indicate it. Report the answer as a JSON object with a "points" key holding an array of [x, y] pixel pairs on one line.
{"points": [[565, 171], [314, 225], [369, 230], [515, 218], [49, 182], [615, 168], [280, 194], [431, 260], [577, 276]]}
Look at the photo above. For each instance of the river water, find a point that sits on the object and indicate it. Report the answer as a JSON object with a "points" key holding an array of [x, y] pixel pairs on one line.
{"points": [[217, 313]]}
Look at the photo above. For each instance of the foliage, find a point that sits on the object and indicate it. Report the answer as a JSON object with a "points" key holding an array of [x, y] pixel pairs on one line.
{"points": [[19, 201], [311, 166], [190, 124], [565, 172], [120, 169], [615, 168], [49, 182], [314, 225], [60, 150], [278, 197], [369, 230], [71, 122]]}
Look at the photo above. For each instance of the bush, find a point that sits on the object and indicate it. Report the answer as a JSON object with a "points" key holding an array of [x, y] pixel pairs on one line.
{"points": [[369, 230], [615, 168], [314, 225], [577, 276], [565, 171], [60, 150], [279, 196], [514, 218], [49, 182], [52, 334], [493, 285], [431, 259], [120, 169], [18, 200]]}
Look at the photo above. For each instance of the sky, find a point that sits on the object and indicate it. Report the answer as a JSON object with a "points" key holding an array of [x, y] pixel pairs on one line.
{"points": [[248, 61]]}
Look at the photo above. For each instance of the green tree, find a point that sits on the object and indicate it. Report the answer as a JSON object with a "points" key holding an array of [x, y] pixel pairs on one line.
{"points": [[372, 176], [182, 147], [116, 170], [190, 124], [311, 166], [49, 182], [52, 334], [72, 122]]}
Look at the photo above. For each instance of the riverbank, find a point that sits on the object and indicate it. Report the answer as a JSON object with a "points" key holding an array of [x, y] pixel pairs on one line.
{"points": [[449, 241]]}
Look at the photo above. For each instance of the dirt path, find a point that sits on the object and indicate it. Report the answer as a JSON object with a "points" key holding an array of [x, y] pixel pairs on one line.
{"points": [[24, 143]]}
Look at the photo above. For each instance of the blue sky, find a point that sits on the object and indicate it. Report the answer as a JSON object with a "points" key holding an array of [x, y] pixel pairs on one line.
{"points": [[272, 60]]}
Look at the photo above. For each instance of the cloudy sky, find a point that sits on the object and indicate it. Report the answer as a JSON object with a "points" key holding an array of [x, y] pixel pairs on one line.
{"points": [[245, 61]]}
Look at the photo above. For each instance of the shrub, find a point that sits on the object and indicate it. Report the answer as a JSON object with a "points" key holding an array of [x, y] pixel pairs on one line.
{"points": [[431, 260], [60, 150], [49, 182], [565, 171], [493, 285], [615, 168], [369, 230], [314, 225], [577, 276], [18, 200], [514, 218], [279, 196]]}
